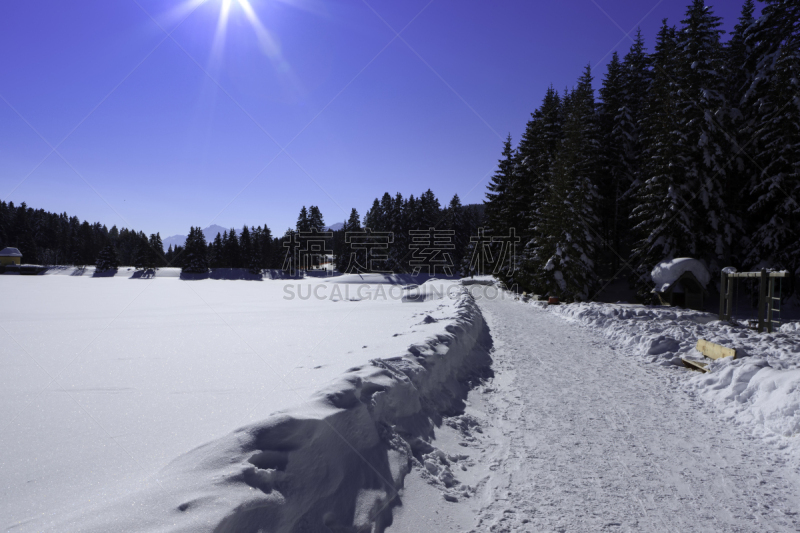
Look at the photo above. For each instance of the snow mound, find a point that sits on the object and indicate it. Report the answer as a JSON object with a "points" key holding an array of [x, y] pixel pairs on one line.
{"points": [[432, 289], [667, 272], [759, 390], [480, 280], [335, 463], [377, 278]]}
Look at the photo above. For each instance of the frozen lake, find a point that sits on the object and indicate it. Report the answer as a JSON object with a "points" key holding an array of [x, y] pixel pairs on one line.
{"points": [[104, 381]]}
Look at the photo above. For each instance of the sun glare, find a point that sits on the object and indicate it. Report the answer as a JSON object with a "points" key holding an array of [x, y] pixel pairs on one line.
{"points": [[268, 44]]}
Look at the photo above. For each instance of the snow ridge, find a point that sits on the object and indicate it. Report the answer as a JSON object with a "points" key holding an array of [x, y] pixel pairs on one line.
{"points": [[335, 463]]}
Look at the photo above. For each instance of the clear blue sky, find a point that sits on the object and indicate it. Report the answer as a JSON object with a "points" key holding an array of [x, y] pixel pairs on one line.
{"points": [[163, 132]]}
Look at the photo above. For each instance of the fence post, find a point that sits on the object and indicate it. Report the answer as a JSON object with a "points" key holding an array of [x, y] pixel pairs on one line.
{"points": [[762, 298], [730, 297], [770, 296], [723, 291]]}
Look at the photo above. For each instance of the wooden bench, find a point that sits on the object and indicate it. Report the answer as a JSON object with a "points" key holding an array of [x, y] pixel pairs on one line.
{"points": [[710, 350]]}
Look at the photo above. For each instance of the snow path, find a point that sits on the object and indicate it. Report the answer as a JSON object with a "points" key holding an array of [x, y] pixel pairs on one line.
{"points": [[575, 437], [592, 442]]}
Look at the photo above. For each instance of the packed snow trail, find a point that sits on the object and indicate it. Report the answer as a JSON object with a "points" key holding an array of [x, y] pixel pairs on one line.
{"points": [[596, 442], [576, 437]]}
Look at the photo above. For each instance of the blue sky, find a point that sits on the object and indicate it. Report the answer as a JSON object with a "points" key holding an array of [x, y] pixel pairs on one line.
{"points": [[162, 117]]}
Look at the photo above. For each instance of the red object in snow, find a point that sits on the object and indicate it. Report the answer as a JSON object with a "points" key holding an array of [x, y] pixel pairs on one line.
{"points": [[552, 300]]}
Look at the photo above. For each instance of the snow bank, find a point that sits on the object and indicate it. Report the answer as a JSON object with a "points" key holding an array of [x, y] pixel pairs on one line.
{"points": [[121, 272], [332, 464], [480, 280], [391, 279], [667, 272], [760, 389]]}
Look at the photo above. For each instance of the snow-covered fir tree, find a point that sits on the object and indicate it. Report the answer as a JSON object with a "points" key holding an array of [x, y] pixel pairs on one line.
{"points": [[774, 98], [703, 122], [637, 79], [568, 236], [537, 151], [614, 176], [663, 221], [498, 203]]}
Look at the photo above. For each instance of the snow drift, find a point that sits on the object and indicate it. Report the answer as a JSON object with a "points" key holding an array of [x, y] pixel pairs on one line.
{"points": [[760, 389], [333, 464], [667, 272]]}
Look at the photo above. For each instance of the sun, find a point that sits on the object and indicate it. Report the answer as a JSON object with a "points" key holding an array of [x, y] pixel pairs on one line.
{"points": [[266, 41]]}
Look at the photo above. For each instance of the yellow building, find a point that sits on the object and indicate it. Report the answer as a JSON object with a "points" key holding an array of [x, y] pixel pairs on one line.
{"points": [[10, 256]]}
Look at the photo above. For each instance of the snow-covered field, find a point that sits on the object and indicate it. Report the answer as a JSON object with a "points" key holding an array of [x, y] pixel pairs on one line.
{"points": [[105, 381]]}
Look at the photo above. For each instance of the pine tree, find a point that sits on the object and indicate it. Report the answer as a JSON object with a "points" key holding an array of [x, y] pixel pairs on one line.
{"points": [[703, 119], [455, 221], [742, 121], [774, 95], [108, 259], [663, 222], [498, 202], [537, 151], [156, 254], [233, 256], [344, 258], [400, 252], [216, 253], [412, 215], [195, 256], [391, 222], [567, 249], [255, 258], [614, 179], [430, 210], [315, 220], [628, 128], [374, 218], [267, 248], [245, 248], [303, 221], [143, 258]]}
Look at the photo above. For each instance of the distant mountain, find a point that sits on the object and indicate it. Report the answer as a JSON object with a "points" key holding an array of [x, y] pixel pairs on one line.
{"points": [[179, 240], [335, 227]]}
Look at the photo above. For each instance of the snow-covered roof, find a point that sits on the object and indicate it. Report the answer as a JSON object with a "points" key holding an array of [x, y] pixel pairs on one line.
{"points": [[10, 252], [667, 272]]}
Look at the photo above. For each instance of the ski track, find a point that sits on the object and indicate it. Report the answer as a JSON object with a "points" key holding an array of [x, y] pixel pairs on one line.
{"points": [[579, 438]]}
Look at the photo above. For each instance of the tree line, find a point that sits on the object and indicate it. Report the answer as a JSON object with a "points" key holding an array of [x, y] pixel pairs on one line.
{"points": [[253, 249], [392, 216], [398, 216], [692, 150], [59, 239]]}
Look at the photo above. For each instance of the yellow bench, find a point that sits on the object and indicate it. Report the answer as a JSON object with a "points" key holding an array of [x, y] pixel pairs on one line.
{"points": [[710, 350]]}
